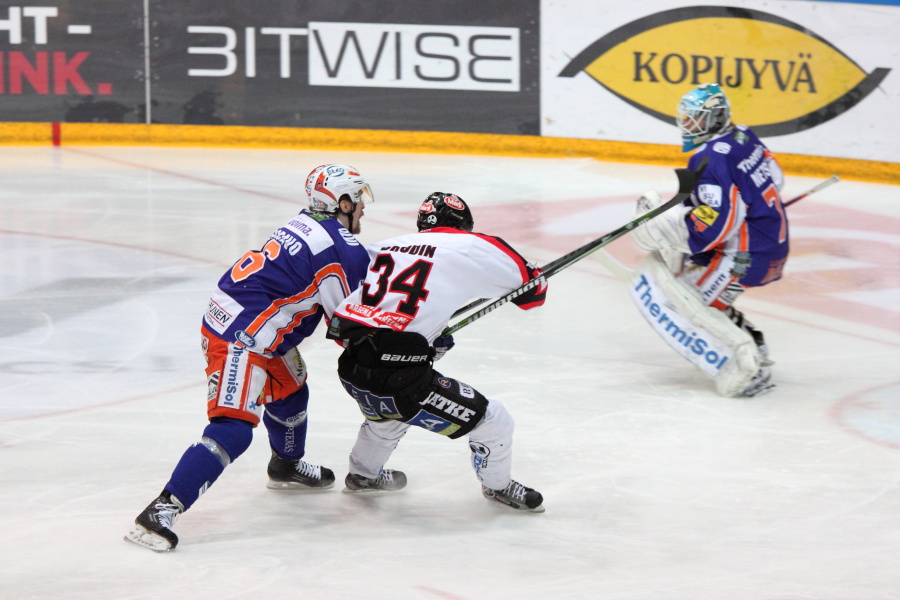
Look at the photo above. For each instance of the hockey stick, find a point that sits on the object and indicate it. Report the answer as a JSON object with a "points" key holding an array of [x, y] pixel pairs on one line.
{"points": [[687, 179], [814, 189]]}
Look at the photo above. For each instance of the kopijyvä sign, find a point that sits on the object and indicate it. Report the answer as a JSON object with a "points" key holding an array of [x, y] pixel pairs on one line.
{"points": [[780, 77]]}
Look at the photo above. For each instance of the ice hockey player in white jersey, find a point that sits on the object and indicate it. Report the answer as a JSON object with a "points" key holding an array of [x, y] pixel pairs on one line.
{"points": [[263, 307], [391, 331]]}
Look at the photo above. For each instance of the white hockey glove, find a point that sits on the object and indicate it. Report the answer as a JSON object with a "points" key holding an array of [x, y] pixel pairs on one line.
{"points": [[442, 345], [666, 231]]}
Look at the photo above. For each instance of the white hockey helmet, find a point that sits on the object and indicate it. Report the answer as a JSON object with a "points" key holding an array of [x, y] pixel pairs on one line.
{"points": [[702, 113], [327, 184]]}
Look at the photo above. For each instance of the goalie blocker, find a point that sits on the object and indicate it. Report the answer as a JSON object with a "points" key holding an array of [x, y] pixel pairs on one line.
{"points": [[707, 338]]}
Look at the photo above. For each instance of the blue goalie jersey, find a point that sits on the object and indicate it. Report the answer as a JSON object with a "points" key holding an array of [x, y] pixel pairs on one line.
{"points": [[738, 209]]}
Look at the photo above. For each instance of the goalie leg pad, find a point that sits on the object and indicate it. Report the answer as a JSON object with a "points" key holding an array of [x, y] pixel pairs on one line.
{"points": [[702, 335]]}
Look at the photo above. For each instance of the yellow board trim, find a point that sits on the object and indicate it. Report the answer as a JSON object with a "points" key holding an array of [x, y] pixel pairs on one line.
{"points": [[372, 140]]}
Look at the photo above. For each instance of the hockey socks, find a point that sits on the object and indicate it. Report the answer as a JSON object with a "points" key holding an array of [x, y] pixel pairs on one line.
{"points": [[223, 441], [285, 421]]}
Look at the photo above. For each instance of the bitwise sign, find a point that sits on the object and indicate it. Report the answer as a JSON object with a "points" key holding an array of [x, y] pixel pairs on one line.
{"points": [[357, 65], [780, 77]]}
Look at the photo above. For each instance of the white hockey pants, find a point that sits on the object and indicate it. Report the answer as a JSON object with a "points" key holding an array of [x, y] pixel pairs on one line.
{"points": [[490, 443]]}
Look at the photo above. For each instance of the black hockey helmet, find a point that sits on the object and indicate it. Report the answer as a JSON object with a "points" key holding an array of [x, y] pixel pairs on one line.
{"points": [[444, 210]]}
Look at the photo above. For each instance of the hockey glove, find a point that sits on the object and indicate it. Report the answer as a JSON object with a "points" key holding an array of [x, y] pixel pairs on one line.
{"points": [[442, 345], [536, 295]]}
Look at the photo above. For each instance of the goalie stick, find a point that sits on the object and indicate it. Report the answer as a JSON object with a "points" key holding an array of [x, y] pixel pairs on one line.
{"points": [[821, 185], [687, 179]]}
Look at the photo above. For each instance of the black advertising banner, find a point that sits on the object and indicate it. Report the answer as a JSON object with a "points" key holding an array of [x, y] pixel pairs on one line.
{"points": [[66, 60], [432, 65]]}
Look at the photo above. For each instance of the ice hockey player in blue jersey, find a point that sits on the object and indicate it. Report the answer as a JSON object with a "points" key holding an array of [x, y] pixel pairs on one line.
{"points": [[263, 307], [732, 234]]}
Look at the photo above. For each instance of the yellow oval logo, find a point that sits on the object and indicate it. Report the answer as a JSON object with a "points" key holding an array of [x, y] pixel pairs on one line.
{"points": [[779, 77]]}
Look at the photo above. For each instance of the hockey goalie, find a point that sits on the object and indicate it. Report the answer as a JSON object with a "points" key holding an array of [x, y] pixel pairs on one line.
{"points": [[731, 234]]}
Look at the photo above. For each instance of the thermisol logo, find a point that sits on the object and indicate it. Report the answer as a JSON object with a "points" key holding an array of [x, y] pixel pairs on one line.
{"points": [[697, 346], [780, 77]]}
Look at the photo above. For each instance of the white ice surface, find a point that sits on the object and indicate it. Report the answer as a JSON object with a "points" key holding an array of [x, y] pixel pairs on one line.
{"points": [[655, 487]]}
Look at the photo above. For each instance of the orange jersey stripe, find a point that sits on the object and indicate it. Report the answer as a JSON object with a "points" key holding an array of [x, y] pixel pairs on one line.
{"points": [[732, 215], [311, 290]]}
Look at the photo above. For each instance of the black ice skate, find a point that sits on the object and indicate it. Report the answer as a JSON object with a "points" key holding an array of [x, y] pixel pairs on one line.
{"points": [[387, 481], [516, 496], [298, 475], [153, 528]]}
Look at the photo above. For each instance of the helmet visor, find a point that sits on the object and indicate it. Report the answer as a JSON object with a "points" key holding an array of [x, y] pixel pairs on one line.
{"points": [[364, 194]]}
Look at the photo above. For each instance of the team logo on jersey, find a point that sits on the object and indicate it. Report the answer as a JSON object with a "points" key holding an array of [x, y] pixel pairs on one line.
{"points": [[245, 338], [784, 77], [454, 202], [444, 382]]}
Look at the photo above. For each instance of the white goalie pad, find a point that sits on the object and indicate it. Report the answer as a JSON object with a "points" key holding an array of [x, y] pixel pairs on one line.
{"points": [[702, 335]]}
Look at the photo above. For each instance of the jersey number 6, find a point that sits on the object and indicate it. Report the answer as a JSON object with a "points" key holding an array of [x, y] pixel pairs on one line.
{"points": [[254, 260]]}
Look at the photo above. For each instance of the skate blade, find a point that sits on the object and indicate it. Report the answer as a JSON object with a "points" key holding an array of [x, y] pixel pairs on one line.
{"points": [[147, 539], [297, 488], [759, 392], [347, 490]]}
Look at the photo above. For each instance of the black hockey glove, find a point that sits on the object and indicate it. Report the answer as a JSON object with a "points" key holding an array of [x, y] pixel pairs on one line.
{"points": [[442, 345]]}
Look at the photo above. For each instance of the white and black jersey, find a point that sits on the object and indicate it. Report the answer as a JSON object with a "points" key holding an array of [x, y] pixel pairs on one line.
{"points": [[416, 282]]}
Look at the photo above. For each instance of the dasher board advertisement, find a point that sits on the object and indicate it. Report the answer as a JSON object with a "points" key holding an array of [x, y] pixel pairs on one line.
{"points": [[443, 65], [72, 61], [811, 78]]}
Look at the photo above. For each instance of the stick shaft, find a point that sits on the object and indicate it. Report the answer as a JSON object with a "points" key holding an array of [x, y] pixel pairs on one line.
{"points": [[819, 186], [686, 178]]}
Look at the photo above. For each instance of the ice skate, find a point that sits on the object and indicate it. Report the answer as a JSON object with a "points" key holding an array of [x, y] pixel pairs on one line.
{"points": [[516, 496], [387, 481], [298, 475], [153, 528], [760, 384]]}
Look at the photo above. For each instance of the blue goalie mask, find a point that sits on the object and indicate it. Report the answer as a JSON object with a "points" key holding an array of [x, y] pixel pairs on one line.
{"points": [[703, 113]]}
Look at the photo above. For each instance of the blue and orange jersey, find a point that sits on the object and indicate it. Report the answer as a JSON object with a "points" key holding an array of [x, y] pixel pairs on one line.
{"points": [[738, 205], [275, 297]]}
